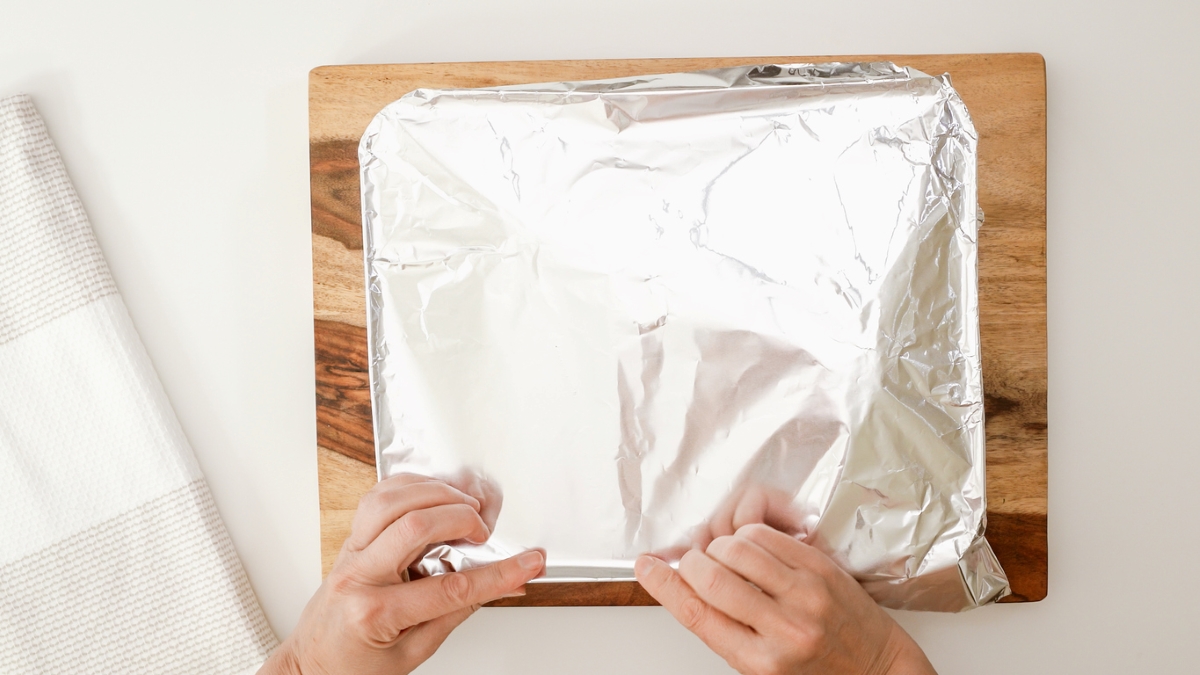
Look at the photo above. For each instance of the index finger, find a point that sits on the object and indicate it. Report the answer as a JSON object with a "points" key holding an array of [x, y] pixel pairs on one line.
{"points": [[390, 500], [384, 560], [789, 550], [725, 636], [483, 489]]}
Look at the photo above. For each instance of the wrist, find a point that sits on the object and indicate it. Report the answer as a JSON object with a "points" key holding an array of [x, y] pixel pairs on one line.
{"points": [[903, 656], [283, 661]]}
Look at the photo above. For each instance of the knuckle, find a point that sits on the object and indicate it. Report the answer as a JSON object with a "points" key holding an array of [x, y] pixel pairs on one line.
{"points": [[457, 588], [719, 545], [352, 545], [505, 575], [479, 528], [690, 563], [790, 586], [766, 663], [756, 532], [494, 581], [809, 648], [409, 479], [659, 576], [363, 614], [732, 549], [710, 583], [817, 638], [369, 500], [446, 493], [415, 526], [363, 506], [821, 601], [806, 642], [691, 613], [701, 577], [340, 583]]}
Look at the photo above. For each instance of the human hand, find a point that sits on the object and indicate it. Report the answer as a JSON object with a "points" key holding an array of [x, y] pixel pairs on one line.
{"points": [[769, 604], [367, 617], [748, 505]]}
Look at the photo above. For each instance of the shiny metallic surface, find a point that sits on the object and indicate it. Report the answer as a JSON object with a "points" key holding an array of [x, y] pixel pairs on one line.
{"points": [[651, 310]]}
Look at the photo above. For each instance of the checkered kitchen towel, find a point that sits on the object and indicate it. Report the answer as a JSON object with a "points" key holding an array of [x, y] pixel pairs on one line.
{"points": [[112, 556]]}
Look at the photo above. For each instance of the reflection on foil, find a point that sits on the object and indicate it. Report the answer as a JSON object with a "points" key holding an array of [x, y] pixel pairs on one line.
{"points": [[658, 308]]}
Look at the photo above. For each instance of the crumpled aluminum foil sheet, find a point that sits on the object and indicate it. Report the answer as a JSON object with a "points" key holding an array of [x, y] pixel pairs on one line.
{"points": [[650, 310]]}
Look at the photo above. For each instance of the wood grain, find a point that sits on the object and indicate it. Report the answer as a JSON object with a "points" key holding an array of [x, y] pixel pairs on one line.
{"points": [[1006, 95]]}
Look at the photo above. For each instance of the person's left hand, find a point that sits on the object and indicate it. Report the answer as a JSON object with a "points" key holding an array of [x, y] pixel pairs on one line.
{"points": [[367, 617]]}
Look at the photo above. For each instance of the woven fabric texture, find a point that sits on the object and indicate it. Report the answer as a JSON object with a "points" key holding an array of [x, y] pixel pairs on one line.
{"points": [[157, 590], [49, 261], [113, 558]]}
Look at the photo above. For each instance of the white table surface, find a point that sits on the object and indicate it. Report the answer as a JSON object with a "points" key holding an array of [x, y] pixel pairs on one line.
{"points": [[183, 126]]}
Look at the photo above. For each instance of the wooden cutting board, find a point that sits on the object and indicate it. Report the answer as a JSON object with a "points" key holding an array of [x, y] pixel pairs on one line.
{"points": [[1006, 96]]}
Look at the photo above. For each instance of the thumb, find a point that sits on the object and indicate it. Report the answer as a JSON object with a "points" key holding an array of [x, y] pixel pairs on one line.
{"points": [[423, 640], [427, 599]]}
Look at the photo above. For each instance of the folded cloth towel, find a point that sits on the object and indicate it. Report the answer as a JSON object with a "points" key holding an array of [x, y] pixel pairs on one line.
{"points": [[112, 555]]}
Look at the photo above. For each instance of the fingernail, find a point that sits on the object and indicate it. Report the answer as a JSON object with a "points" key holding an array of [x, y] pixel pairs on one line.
{"points": [[645, 564], [514, 594], [531, 560]]}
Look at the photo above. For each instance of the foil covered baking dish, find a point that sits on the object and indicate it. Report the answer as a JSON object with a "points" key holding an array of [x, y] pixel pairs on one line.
{"points": [[649, 310]]}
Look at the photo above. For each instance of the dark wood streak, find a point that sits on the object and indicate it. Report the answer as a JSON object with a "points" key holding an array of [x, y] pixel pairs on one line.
{"points": [[1020, 543], [343, 391], [1011, 417], [336, 193], [590, 594]]}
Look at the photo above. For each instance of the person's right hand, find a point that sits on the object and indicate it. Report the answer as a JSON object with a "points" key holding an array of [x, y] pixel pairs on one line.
{"points": [[770, 604], [367, 617], [749, 505]]}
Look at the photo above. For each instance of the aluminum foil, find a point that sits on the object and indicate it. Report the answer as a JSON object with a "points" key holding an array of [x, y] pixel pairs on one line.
{"points": [[647, 311]]}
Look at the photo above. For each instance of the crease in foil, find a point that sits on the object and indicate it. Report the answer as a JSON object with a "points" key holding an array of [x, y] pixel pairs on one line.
{"points": [[647, 311]]}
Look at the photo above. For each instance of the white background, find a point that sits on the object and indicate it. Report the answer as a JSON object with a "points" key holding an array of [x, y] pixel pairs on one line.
{"points": [[183, 126]]}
